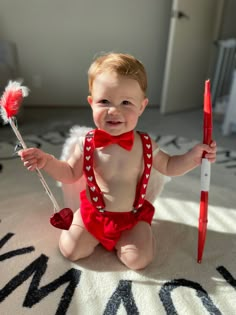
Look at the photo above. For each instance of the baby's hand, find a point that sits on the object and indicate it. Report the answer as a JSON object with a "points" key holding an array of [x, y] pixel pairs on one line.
{"points": [[210, 152], [34, 158]]}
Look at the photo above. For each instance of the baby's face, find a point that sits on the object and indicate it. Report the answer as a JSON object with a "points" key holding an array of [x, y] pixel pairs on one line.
{"points": [[117, 102]]}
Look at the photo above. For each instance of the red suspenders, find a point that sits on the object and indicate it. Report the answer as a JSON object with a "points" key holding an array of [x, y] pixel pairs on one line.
{"points": [[94, 190]]}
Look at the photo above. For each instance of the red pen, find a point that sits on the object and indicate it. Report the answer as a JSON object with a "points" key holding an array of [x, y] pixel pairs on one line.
{"points": [[205, 172]]}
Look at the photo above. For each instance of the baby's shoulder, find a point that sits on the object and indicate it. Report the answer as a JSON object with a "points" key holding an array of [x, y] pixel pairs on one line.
{"points": [[74, 141]]}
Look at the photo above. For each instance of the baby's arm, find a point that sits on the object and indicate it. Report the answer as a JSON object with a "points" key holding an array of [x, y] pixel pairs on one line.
{"points": [[66, 172], [180, 164]]}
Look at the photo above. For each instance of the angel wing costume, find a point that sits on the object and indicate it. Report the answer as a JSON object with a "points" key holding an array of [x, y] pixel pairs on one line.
{"points": [[71, 192]]}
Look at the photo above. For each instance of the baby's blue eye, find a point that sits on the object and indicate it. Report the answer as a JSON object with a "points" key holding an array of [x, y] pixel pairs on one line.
{"points": [[104, 101], [126, 102]]}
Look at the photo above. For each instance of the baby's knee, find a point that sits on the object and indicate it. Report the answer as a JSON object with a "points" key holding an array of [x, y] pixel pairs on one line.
{"points": [[135, 259], [73, 251], [66, 251]]}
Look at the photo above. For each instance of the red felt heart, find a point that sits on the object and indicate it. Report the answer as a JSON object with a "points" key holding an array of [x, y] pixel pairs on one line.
{"points": [[62, 219]]}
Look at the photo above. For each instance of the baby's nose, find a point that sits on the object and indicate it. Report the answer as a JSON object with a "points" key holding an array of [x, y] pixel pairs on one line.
{"points": [[114, 110]]}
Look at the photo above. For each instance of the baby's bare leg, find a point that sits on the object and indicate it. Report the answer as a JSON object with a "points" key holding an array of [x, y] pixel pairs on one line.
{"points": [[136, 247], [77, 242]]}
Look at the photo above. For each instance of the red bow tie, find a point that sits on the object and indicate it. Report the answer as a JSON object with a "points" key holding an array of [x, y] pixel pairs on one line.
{"points": [[102, 139]]}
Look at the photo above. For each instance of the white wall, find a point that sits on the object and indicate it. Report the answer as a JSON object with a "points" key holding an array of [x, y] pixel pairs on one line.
{"points": [[57, 40]]}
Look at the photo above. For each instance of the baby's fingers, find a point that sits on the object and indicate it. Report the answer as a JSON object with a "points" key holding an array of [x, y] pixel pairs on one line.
{"points": [[213, 145], [211, 157], [31, 165], [211, 152], [211, 148], [27, 152]]}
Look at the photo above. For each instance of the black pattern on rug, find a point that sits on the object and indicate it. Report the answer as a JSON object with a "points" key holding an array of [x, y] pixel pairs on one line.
{"points": [[129, 293]]}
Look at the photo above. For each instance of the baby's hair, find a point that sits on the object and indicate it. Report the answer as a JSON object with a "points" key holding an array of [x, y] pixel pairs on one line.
{"points": [[122, 64]]}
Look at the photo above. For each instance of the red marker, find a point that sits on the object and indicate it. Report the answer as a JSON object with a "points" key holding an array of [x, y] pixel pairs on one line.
{"points": [[205, 172]]}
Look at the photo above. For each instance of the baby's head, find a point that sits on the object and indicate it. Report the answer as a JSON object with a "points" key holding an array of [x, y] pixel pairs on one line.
{"points": [[122, 64]]}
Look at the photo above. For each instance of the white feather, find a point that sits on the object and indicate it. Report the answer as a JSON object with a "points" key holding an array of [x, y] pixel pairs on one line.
{"points": [[3, 114], [16, 85], [12, 86], [76, 132]]}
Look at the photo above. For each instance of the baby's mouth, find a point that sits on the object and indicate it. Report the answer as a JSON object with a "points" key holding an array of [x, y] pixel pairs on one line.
{"points": [[113, 122]]}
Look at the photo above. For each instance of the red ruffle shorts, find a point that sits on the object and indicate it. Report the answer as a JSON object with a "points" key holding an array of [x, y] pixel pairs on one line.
{"points": [[107, 226]]}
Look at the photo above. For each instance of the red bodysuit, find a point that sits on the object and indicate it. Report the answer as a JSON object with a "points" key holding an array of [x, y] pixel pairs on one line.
{"points": [[107, 226]]}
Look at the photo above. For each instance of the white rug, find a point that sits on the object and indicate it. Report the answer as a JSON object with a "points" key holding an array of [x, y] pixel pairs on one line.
{"points": [[36, 279]]}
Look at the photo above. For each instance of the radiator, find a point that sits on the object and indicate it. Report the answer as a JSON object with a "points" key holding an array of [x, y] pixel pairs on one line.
{"points": [[225, 65], [229, 124]]}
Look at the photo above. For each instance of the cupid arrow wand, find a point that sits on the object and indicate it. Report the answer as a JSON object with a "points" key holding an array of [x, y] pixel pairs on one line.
{"points": [[9, 105]]}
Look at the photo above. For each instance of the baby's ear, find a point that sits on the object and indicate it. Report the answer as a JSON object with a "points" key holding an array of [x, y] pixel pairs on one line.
{"points": [[90, 99], [143, 106]]}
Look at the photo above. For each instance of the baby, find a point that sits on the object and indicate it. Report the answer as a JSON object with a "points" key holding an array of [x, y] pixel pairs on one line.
{"points": [[116, 161]]}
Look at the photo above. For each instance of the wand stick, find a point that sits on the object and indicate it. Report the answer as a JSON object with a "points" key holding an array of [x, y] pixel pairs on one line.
{"points": [[40, 175]]}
